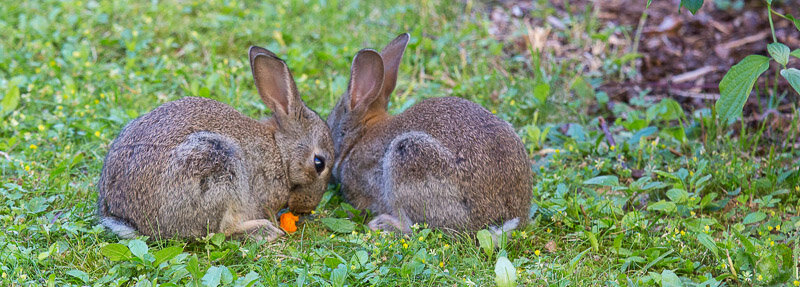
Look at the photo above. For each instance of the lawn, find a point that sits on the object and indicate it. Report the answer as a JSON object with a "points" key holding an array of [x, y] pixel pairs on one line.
{"points": [[642, 192]]}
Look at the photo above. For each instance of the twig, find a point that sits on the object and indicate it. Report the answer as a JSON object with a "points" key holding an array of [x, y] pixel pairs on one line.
{"points": [[610, 139], [55, 217], [730, 264], [743, 41], [687, 94], [692, 75], [604, 128]]}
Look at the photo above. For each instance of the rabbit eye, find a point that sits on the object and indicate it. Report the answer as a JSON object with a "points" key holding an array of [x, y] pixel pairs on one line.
{"points": [[319, 163]]}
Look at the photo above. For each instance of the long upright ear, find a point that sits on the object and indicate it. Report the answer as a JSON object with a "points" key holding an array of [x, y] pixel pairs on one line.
{"points": [[274, 82], [366, 79], [392, 55]]}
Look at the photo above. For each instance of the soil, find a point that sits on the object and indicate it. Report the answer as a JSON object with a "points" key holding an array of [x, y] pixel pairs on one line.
{"points": [[683, 56]]}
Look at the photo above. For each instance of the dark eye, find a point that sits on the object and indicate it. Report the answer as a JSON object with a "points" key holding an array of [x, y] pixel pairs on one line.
{"points": [[319, 163]]}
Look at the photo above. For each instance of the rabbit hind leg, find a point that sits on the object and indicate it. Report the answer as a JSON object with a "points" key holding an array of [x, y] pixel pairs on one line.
{"points": [[420, 183]]}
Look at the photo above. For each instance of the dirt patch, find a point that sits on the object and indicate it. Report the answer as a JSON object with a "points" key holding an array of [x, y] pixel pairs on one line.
{"points": [[683, 56]]}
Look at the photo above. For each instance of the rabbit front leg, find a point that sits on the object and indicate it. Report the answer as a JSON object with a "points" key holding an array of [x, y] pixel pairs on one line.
{"points": [[259, 229], [419, 184], [390, 223]]}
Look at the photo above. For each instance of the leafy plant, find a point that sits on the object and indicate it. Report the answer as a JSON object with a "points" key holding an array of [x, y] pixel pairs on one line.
{"points": [[738, 82]]}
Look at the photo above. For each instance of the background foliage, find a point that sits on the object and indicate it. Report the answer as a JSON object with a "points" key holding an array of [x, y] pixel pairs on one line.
{"points": [[654, 196]]}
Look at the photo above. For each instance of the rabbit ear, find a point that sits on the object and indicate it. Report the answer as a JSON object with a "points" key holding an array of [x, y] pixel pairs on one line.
{"points": [[274, 82], [392, 55], [366, 79]]}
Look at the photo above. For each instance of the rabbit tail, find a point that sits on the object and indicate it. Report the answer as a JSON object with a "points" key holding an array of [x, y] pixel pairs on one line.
{"points": [[120, 227], [502, 232]]}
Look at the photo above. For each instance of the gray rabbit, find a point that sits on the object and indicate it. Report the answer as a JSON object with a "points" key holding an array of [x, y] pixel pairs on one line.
{"points": [[196, 166], [445, 161]]}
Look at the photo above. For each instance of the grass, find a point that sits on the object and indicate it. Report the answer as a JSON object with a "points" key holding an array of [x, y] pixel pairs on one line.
{"points": [[706, 206]]}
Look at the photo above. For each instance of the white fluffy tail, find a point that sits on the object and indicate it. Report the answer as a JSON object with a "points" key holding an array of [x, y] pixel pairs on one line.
{"points": [[119, 227], [502, 232]]}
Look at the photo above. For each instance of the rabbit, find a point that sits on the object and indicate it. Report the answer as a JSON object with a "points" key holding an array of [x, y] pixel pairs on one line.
{"points": [[446, 161], [197, 166]]}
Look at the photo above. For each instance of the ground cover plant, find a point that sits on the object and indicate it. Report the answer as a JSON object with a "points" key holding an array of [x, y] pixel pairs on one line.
{"points": [[643, 189]]}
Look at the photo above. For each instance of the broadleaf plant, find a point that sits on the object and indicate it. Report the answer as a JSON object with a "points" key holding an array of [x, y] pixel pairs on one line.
{"points": [[692, 5], [738, 82]]}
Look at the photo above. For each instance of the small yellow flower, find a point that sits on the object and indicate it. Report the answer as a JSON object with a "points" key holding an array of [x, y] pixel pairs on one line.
{"points": [[797, 188], [446, 246], [377, 244], [313, 212], [558, 151], [97, 133], [33, 147], [549, 230], [692, 213], [769, 228], [59, 108], [760, 278], [96, 101], [707, 228], [421, 238], [76, 54], [333, 235], [27, 168], [771, 243], [41, 127], [524, 235], [402, 240], [405, 245], [441, 265], [778, 227], [694, 159], [494, 111], [691, 173], [772, 213], [537, 252], [512, 102], [724, 266], [102, 96], [683, 232], [612, 148], [795, 283]]}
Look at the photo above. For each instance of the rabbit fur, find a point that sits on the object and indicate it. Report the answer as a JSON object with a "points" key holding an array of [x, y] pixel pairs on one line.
{"points": [[197, 166], [446, 161]]}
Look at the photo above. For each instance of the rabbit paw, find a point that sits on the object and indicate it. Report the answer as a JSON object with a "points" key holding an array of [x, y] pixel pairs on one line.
{"points": [[261, 229], [388, 223]]}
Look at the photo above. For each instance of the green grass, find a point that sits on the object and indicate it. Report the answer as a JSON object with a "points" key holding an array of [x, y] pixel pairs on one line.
{"points": [[706, 210]]}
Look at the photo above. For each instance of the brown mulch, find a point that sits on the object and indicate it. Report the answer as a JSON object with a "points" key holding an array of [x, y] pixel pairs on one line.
{"points": [[683, 56]]}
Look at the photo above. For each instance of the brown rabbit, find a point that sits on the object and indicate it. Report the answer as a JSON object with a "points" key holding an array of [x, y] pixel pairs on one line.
{"points": [[445, 161], [196, 166]]}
